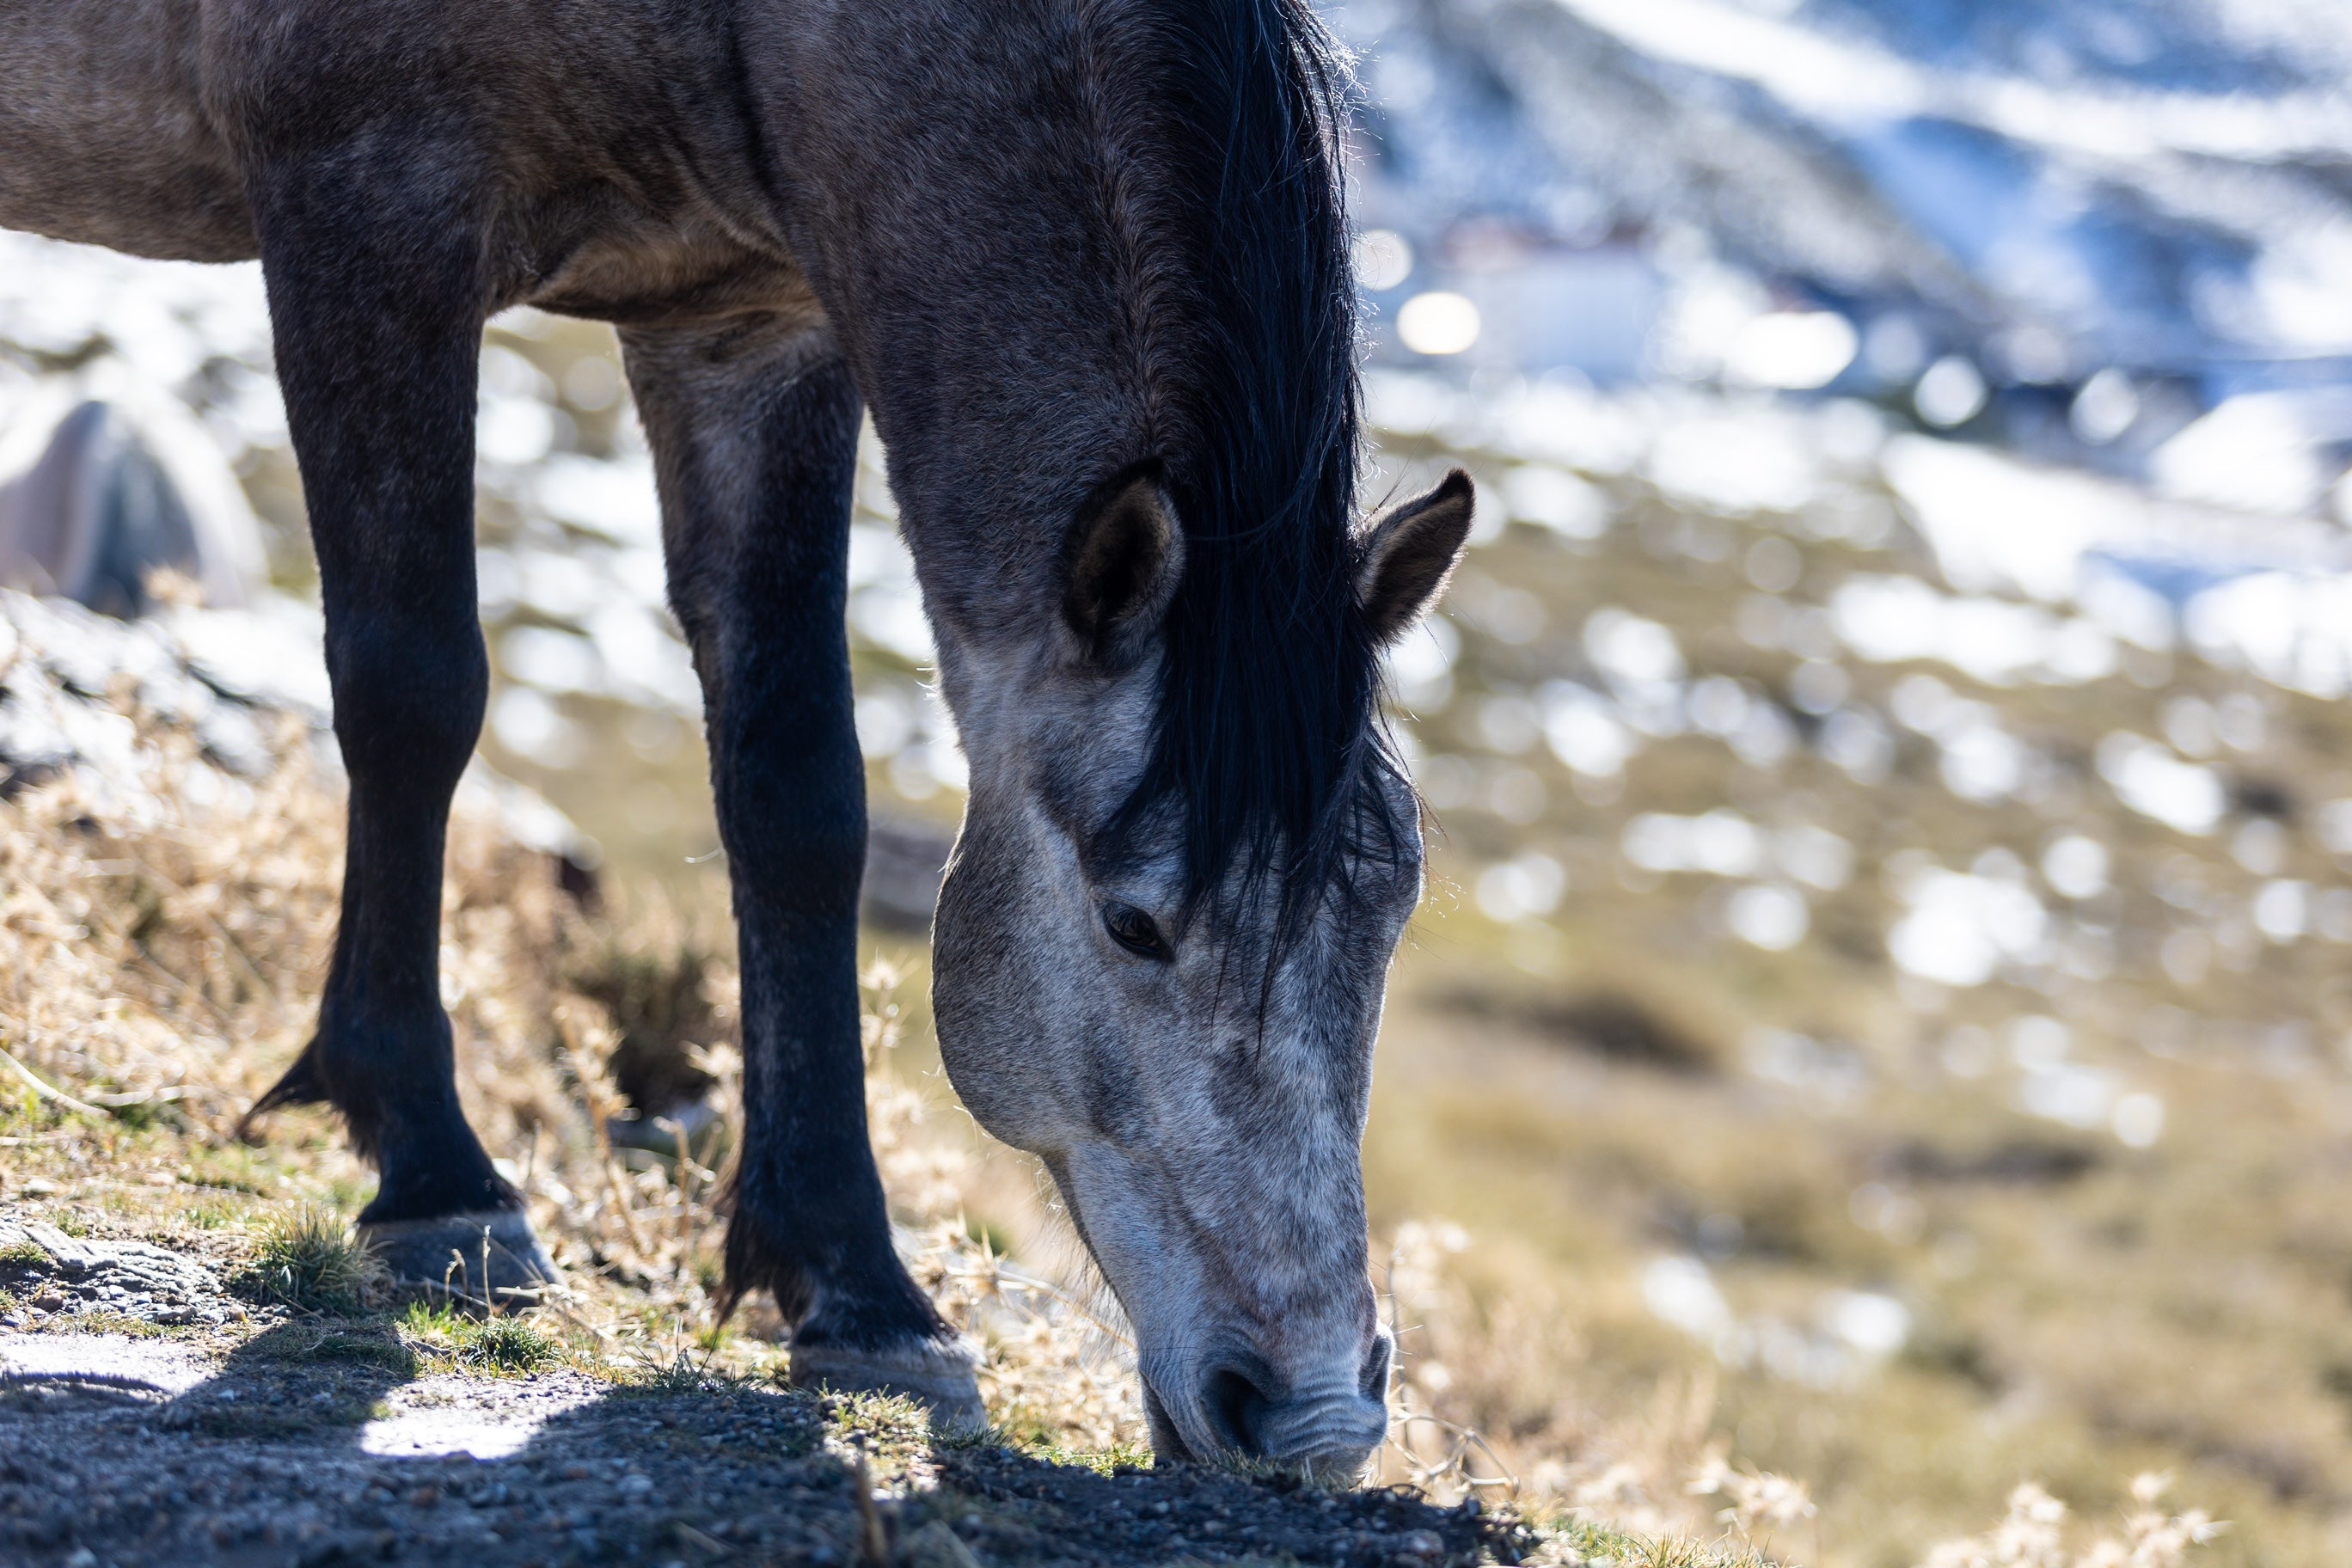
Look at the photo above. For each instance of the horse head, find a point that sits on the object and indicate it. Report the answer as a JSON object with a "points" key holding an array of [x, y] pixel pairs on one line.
{"points": [[1189, 1058]]}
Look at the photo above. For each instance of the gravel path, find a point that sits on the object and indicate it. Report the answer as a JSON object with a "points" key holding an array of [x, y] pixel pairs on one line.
{"points": [[201, 1432]]}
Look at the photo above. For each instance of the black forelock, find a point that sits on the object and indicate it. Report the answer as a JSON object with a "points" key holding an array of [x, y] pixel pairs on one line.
{"points": [[1267, 741]]}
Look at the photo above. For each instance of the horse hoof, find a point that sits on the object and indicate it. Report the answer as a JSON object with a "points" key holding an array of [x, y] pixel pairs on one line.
{"points": [[488, 1256], [941, 1377]]}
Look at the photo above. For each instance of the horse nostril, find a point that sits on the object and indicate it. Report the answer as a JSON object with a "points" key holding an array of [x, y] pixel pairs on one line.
{"points": [[1237, 1409], [1374, 1383]]}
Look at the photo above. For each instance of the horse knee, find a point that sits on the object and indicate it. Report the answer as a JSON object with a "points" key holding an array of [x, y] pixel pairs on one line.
{"points": [[810, 861], [407, 701]]}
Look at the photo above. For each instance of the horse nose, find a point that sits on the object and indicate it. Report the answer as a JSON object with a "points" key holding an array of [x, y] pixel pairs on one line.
{"points": [[1332, 1428], [1237, 1409]]}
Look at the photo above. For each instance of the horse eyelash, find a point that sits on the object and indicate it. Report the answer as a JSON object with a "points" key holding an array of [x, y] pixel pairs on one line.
{"points": [[1148, 943]]}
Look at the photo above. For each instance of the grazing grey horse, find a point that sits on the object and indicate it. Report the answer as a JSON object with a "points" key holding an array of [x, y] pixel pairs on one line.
{"points": [[1085, 260]]}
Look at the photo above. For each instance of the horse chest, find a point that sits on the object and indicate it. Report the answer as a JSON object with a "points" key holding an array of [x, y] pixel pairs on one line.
{"points": [[603, 255]]}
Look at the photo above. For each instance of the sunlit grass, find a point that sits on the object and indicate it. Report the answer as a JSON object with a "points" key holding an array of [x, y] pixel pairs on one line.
{"points": [[501, 1345], [310, 1260]]}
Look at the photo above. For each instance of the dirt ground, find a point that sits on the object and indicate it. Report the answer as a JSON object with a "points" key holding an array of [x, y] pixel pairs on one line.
{"points": [[150, 1415]]}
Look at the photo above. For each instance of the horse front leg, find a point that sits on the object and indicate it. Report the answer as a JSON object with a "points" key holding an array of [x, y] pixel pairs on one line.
{"points": [[755, 432], [377, 298]]}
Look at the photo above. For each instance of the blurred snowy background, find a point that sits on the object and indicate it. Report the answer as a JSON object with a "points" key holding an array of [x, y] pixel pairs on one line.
{"points": [[2076, 280], [2112, 235], [2099, 254]]}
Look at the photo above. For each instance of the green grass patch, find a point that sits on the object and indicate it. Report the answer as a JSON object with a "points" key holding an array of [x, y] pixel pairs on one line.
{"points": [[19, 1103], [312, 1262], [1595, 1543], [434, 1321], [500, 1346], [894, 1428], [680, 1375], [1111, 1461], [217, 1214], [23, 1255], [101, 1321], [375, 1346], [139, 1115], [510, 1345], [234, 1168]]}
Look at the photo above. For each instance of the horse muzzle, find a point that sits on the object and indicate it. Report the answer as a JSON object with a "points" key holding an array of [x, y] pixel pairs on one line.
{"points": [[1327, 1420]]}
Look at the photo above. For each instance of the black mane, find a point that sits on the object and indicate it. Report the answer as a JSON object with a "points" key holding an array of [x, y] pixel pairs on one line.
{"points": [[1266, 729]]}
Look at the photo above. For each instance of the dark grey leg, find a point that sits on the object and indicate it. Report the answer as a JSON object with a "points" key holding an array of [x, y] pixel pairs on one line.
{"points": [[754, 428], [377, 299]]}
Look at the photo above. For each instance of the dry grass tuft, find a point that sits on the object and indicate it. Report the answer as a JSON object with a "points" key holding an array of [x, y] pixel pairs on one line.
{"points": [[1661, 1490], [2033, 1535], [659, 982]]}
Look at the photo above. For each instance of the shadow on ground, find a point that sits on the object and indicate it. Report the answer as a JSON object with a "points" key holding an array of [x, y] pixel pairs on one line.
{"points": [[325, 1440]]}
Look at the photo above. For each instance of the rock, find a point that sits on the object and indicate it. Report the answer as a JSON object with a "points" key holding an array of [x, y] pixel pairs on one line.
{"points": [[905, 858], [122, 490], [127, 1276], [935, 1546]]}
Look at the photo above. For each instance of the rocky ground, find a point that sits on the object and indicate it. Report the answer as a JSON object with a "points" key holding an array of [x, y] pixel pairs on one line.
{"points": [[149, 1413]]}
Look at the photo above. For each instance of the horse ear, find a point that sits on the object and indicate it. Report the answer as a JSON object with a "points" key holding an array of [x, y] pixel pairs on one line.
{"points": [[1408, 555], [1126, 556]]}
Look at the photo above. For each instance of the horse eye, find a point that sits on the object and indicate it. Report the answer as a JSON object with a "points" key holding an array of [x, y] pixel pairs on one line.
{"points": [[1134, 930]]}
